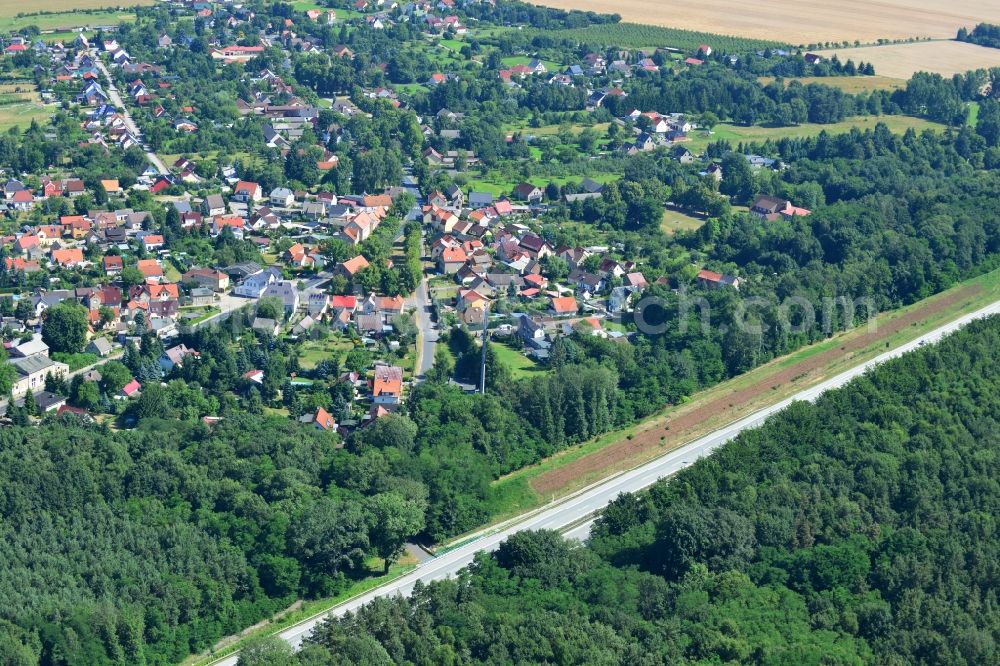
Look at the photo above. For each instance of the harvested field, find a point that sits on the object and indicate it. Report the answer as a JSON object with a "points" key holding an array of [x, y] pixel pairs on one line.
{"points": [[941, 57], [849, 84], [803, 22], [688, 423]]}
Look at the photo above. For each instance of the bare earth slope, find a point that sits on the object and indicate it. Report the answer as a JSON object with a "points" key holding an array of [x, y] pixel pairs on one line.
{"points": [[801, 22]]}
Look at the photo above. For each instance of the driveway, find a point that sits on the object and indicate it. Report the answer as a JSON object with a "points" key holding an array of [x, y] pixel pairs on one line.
{"points": [[227, 304]]}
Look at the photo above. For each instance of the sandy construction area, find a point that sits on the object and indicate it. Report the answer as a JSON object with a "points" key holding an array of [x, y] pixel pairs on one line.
{"points": [[801, 22], [902, 60]]}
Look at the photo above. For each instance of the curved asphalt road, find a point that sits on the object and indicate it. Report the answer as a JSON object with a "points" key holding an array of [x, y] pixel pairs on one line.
{"points": [[577, 510]]}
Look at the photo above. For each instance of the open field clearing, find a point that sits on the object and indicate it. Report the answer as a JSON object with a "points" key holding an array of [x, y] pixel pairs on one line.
{"points": [[520, 365], [62, 20], [849, 84], [803, 22], [757, 134], [942, 57], [674, 220], [20, 114], [711, 409]]}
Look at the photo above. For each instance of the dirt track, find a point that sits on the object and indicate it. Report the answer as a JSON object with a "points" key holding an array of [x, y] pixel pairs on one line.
{"points": [[678, 429]]}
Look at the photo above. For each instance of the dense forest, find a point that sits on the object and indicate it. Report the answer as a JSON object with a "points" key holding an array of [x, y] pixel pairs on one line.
{"points": [[143, 546], [859, 529], [984, 34]]}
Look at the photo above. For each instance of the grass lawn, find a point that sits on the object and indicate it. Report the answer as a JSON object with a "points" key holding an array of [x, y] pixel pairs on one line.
{"points": [[272, 411], [198, 313], [736, 134], [61, 20], [973, 114], [550, 65], [513, 494], [410, 88], [446, 293], [849, 84], [75, 361], [675, 220], [452, 44], [520, 365], [497, 185], [550, 130], [314, 351], [20, 114], [171, 272], [64, 36]]}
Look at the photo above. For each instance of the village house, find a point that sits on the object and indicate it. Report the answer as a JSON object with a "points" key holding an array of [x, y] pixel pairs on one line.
{"points": [[563, 305], [772, 208], [201, 297], [286, 292], [212, 205], [528, 192], [175, 356], [349, 269], [387, 385], [100, 347], [712, 280], [207, 278], [254, 285], [247, 192], [150, 268], [321, 420], [451, 259]]}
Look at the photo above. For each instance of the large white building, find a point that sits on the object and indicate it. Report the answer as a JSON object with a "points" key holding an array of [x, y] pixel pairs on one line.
{"points": [[32, 370]]}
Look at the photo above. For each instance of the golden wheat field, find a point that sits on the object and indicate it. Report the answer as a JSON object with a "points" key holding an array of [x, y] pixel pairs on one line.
{"points": [[942, 57], [800, 21]]}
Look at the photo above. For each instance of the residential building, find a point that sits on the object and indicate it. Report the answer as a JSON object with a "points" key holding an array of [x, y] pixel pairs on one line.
{"points": [[212, 205], [207, 278], [32, 371], [712, 280], [287, 292], [255, 285], [175, 356], [387, 386]]}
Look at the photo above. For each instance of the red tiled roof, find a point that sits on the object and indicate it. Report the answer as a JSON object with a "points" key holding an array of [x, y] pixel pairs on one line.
{"points": [[709, 276], [564, 305]]}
